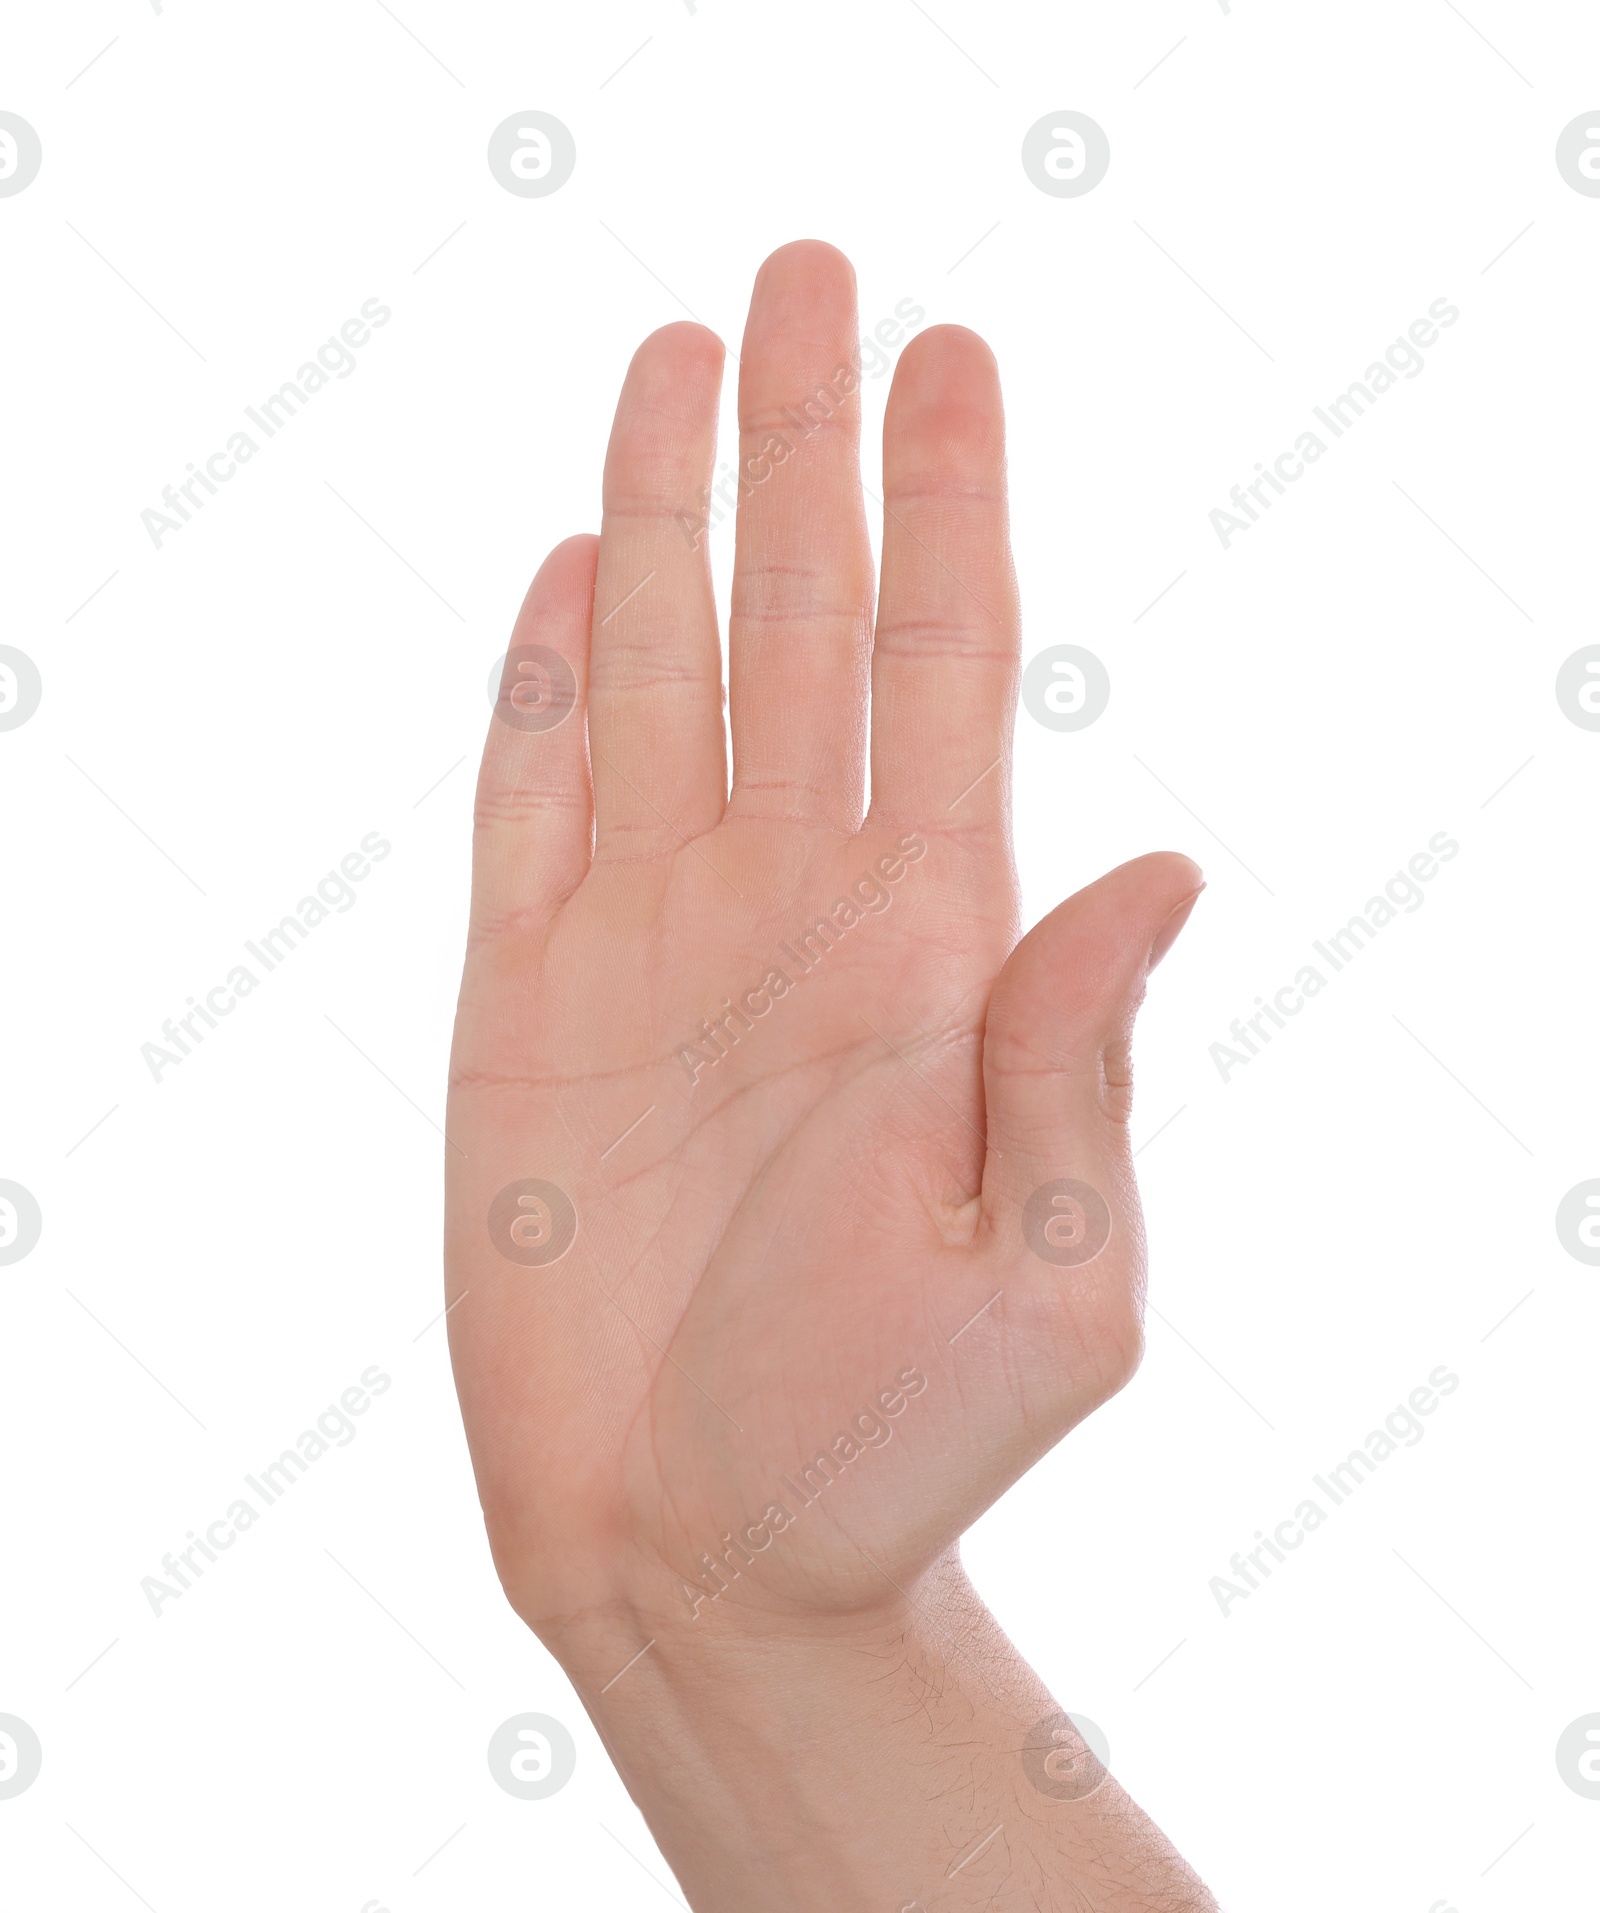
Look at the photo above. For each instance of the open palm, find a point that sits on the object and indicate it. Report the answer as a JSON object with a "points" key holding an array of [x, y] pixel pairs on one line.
{"points": [[790, 1212]]}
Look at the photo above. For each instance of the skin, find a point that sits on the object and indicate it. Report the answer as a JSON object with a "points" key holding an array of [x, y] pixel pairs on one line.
{"points": [[773, 1243]]}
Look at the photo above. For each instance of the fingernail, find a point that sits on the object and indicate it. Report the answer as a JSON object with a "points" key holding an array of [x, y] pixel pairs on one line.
{"points": [[1167, 935]]}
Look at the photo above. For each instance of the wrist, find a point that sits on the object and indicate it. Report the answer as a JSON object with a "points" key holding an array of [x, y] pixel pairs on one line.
{"points": [[876, 1760], [793, 1761]]}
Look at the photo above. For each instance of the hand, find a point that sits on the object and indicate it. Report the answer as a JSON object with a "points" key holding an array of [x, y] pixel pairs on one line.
{"points": [[790, 1067]]}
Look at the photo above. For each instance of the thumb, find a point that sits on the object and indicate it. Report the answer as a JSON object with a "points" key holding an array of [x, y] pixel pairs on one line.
{"points": [[1059, 1247], [1060, 1207], [1057, 1040]]}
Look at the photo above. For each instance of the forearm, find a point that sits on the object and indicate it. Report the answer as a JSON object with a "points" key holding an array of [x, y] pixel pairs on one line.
{"points": [[867, 1764]]}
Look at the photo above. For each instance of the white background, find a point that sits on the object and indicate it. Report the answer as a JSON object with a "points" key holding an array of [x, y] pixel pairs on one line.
{"points": [[1368, 666]]}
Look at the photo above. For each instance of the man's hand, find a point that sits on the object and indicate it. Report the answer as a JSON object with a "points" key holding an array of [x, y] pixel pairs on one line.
{"points": [[790, 1209]]}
